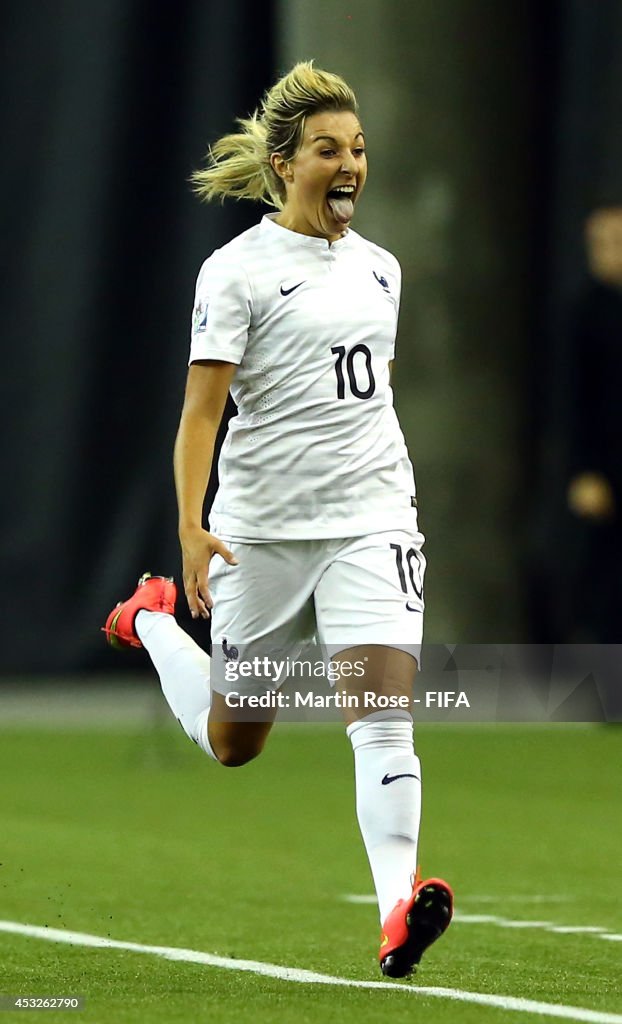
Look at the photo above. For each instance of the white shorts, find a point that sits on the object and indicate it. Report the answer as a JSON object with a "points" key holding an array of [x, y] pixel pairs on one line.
{"points": [[338, 593]]}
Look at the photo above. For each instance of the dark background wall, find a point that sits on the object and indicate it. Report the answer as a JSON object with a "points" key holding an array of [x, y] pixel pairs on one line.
{"points": [[106, 109]]}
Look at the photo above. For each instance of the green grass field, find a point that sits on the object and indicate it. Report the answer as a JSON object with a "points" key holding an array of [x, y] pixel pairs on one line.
{"points": [[139, 837]]}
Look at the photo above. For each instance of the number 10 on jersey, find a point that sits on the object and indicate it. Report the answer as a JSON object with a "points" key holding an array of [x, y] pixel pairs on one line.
{"points": [[351, 367]]}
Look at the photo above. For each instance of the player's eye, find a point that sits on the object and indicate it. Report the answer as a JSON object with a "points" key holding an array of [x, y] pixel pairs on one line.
{"points": [[327, 152], [359, 150]]}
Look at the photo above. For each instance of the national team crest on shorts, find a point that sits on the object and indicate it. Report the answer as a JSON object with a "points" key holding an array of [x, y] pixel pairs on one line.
{"points": [[229, 653], [199, 318]]}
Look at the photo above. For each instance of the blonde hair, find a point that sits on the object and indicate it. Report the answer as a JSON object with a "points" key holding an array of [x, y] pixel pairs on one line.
{"points": [[239, 164]]}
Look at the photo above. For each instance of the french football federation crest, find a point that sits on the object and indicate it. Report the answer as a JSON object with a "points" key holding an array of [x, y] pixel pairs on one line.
{"points": [[382, 281], [229, 653]]}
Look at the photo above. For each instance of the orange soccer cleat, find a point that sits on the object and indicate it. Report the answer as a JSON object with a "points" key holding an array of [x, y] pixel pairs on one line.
{"points": [[413, 925], [154, 594]]}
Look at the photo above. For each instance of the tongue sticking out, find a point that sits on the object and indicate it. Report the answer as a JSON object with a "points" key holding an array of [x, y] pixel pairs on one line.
{"points": [[342, 208]]}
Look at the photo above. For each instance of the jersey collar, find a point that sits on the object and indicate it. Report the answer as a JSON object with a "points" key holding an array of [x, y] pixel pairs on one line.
{"points": [[294, 240]]}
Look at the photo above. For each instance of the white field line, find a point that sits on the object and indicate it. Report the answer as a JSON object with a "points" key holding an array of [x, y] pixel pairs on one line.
{"points": [[505, 922], [295, 974]]}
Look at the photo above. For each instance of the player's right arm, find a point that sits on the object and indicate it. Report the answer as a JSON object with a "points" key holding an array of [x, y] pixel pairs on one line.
{"points": [[207, 387]]}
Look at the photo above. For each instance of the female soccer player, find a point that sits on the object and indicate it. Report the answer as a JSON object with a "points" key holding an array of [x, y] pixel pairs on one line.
{"points": [[315, 521]]}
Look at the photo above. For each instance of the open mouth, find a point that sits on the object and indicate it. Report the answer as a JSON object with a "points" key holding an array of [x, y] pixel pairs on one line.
{"points": [[341, 203]]}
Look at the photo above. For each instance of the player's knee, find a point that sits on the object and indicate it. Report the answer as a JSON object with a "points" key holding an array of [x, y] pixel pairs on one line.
{"points": [[236, 743], [234, 756]]}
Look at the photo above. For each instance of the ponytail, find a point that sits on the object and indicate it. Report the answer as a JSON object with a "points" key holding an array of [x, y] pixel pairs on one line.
{"points": [[238, 165]]}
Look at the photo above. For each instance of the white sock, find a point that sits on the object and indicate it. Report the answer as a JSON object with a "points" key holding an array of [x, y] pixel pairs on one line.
{"points": [[388, 814], [184, 670]]}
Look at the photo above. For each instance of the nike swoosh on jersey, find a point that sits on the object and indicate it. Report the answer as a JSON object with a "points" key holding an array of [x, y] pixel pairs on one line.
{"points": [[288, 291], [410, 609], [391, 778]]}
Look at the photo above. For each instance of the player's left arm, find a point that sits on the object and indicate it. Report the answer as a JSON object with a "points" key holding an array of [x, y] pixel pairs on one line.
{"points": [[391, 361]]}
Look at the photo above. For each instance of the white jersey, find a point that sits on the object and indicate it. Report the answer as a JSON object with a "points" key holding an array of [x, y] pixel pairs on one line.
{"points": [[316, 449]]}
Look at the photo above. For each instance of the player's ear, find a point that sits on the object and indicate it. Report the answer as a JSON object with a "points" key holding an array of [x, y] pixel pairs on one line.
{"points": [[281, 167]]}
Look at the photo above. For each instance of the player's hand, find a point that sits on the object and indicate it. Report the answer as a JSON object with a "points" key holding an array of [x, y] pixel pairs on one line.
{"points": [[590, 495], [198, 547]]}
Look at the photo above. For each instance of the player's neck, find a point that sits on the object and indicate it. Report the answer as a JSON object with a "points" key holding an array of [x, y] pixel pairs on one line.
{"points": [[293, 222]]}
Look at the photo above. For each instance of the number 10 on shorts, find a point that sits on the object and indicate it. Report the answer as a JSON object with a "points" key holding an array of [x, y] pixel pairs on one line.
{"points": [[411, 562]]}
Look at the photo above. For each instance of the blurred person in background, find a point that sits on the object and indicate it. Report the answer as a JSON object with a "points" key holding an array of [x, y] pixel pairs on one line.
{"points": [[594, 480]]}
